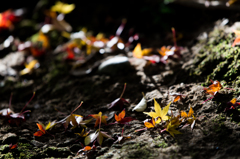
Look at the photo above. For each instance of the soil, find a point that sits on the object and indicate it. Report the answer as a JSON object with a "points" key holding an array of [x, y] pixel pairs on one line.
{"points": [[59, 91]]}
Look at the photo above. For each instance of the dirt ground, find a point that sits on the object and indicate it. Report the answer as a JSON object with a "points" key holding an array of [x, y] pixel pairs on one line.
{"points": [[60, 87]]}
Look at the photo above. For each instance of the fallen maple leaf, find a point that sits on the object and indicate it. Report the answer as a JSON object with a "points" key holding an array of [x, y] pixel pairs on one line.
{"points": [[232, 104], [11, 146], [213, 89], [177, 96], [121, 119], [237, 39], [119, 101], [43, 128], [139, 53], [185, 115], [191, 119], [160, 114], [62, 7], [99, 119], [87, 148], [150, 124], [97, 135], [168, 52], [72, 119], [171, 128], [83, 133], [17, 118], [29, 67], [122, 137]]}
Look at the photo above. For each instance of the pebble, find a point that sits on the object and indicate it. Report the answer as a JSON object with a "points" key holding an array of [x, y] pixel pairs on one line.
{"points": [[9, 138], [115, 65], [37, 143]]}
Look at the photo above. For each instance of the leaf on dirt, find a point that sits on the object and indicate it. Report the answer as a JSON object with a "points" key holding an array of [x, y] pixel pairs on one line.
{"points": [[150, 124], [237, 39], [29, 67], [142, 105], [160, 114], [63, 7], [90, 138], [99, 135], [99, 118], [139, 53], [6, 112], [177, 96], [185, 115], [40, 43], [73, 119], [213, 88], [121, 119], [17, 118], [121, 138], [171, 128], [119, 101], [83, 133], [191, 119], [233, 104], [43, 128]]}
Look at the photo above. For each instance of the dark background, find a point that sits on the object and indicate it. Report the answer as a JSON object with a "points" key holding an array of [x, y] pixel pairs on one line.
{"points": [[152, 19]]}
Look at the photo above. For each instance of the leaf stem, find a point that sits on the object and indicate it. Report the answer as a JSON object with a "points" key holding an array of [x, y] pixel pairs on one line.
{"points": [[174, 37], [27, 103], [10, 100], [125, 84], [77, 107], [100, 121]]}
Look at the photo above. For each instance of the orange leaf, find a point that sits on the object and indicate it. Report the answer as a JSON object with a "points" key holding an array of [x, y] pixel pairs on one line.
{"points": [[233, 101], [38, 133], [98, 117], [163, 50], [190, 113], [177, 98], [184, 114], [150, 125], [213, 88], [120, 116], [41, 130], [87, 148], [236, 41], [12, 146]]}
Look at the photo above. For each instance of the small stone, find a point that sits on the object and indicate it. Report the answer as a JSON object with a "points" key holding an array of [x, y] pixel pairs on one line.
{"points": [[9, 138], [37, 143], [155, 94], [115, 65], [129, 143]]}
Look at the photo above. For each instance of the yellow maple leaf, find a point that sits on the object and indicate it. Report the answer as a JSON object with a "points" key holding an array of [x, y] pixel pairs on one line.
{"points": [[159, 113], [62, 7], [139, 53], [171, 128], [29, 67]]}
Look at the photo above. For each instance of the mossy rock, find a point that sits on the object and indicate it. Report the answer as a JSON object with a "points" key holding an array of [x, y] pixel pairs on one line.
{"points": [[217, 59]]}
